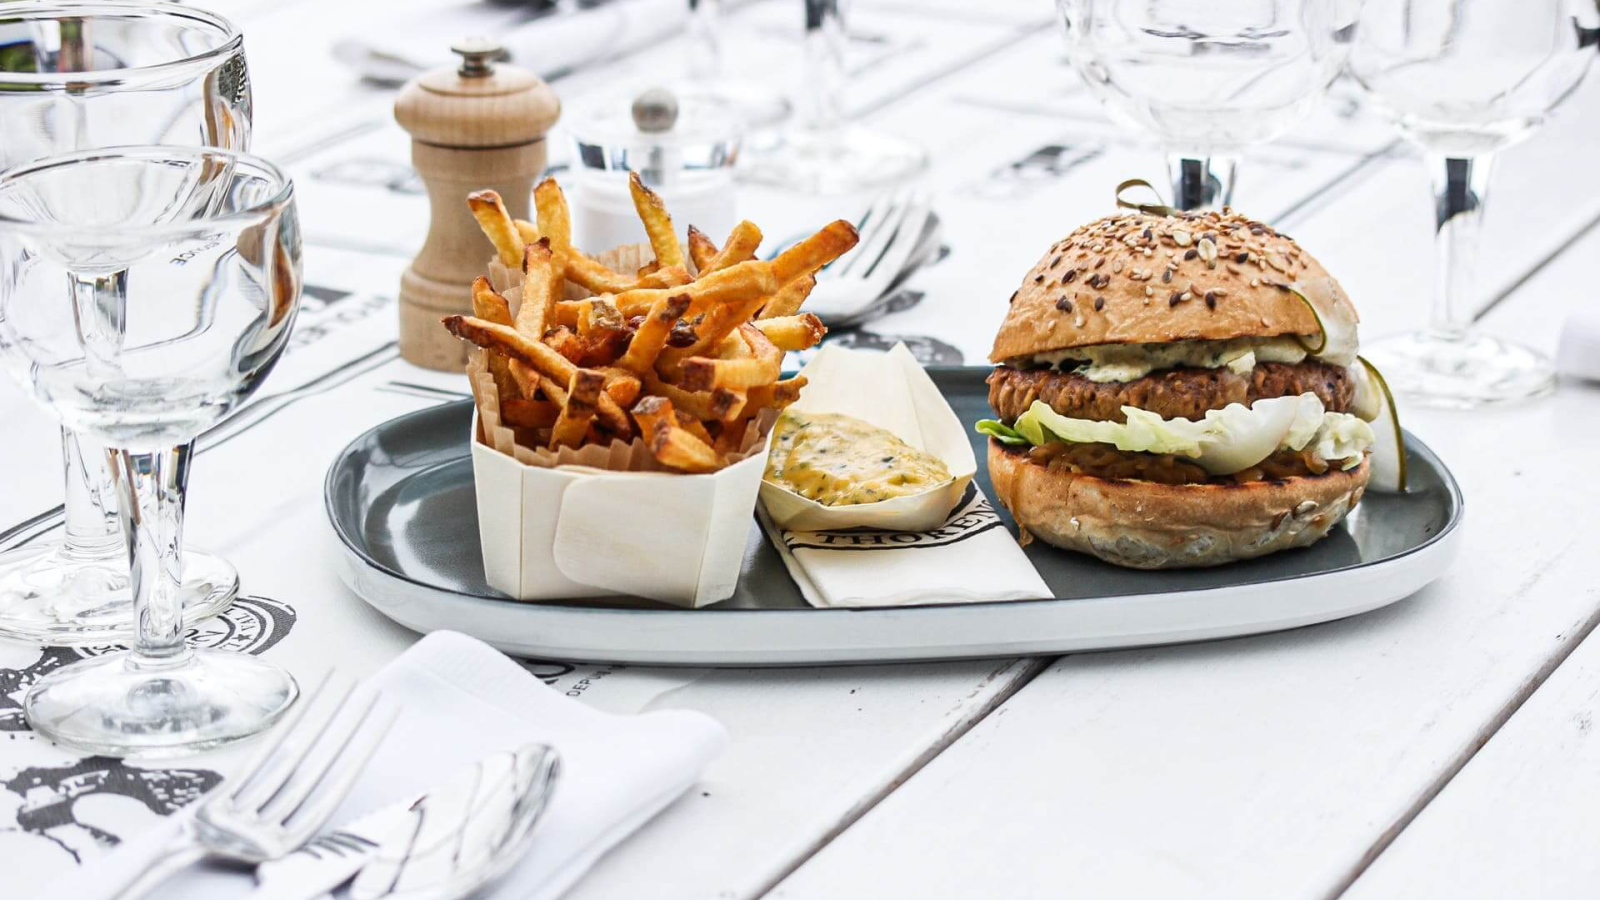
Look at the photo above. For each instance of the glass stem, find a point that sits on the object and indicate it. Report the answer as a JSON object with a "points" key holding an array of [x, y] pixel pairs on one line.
{"points": [[1459, 188], [1201, 182], [151, 487], [90, 510], [705, 39], [824, 67]]}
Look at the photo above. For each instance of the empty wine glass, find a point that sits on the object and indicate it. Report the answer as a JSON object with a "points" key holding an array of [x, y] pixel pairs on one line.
{"points": [[1208, 79], [756, 106], [78, 75], [1463, 79], [823, 153], [145, 292]]}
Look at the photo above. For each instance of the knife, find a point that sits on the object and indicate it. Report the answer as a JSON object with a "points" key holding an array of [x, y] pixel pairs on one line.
{"points": [[330, 859]]}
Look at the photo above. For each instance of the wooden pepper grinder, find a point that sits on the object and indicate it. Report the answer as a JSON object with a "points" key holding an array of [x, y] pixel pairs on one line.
{"points": [[474, 127]]}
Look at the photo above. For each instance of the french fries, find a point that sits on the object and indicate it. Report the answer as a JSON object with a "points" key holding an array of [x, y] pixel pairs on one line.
{"points": [[741, 245], [657, 224], [793, 332], [685, 363], [490, 211]]}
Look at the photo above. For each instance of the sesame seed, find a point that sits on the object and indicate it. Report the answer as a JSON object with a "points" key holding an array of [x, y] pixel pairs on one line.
{"points": [[1071, 274], [1166, 277], [1013, 297], [1078, 322], [1255, 282], [1181, 237], [1099, 303], [1211, 299], [1099, 262], [1063, 304], [1175, 298], [1116, 266], [1149, 291], [1055, 262], [1233, 268], [1191, 253], [1243, 257], [1038, 278]]}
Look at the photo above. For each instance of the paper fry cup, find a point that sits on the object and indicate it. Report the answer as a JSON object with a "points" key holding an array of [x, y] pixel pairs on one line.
{"points": [[892, 391], [605, 520]]}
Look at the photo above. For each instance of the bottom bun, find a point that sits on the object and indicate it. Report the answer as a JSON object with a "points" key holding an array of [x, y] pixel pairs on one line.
{"points": [[1149, 525]]}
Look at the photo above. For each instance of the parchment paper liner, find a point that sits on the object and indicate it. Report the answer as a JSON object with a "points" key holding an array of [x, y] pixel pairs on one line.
{"points": [[575, 523], [892, 391]]}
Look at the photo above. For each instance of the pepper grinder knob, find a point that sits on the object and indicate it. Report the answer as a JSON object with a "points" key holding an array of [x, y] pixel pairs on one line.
{"points": [[478, 56]]}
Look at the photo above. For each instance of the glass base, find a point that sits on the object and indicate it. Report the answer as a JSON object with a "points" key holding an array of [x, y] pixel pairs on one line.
{"points": [[1461, 373], [47, 597], [113, 706], [838, 161]]}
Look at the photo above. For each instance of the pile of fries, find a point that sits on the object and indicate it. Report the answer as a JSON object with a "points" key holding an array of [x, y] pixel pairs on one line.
{"points": [[683, 354]]}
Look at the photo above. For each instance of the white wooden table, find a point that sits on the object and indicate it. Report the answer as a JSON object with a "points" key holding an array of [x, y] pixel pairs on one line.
{"points": [[1441, 747]]}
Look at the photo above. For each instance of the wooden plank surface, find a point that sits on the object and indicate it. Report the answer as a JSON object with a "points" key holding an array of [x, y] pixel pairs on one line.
{"points": [[1279, 765]]}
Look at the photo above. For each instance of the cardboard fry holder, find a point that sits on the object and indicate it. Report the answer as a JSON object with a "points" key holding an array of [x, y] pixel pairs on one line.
{"points": [[605, 520]]}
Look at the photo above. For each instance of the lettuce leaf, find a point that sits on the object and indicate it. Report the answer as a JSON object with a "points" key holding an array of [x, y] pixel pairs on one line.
{"points": [[1227, 440]]}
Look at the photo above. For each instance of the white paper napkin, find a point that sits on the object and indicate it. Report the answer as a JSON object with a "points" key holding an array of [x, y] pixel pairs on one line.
{"points": [[393, 50], [971, 559], [463, 700]]}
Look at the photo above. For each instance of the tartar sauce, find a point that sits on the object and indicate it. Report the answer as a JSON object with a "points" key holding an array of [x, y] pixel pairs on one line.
{"points": [[839, 460], [1130, 362]]}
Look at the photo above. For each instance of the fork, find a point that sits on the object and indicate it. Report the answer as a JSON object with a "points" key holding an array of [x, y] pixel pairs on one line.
{"points": [[286, 794], [890, 231]]}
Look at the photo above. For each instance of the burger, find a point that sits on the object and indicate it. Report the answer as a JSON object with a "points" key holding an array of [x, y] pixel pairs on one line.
{"points": [[1183, 390]]}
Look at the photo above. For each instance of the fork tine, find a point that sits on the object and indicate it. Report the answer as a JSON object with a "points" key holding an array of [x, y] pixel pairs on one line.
{"points": [[869, 225], [340, 776], [336, 740], [306, 736], [907, 236], [258, 763], [873, 248]]}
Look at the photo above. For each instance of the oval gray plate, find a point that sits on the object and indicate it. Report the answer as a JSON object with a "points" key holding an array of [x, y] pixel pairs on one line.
{"points": [[400, 499]]}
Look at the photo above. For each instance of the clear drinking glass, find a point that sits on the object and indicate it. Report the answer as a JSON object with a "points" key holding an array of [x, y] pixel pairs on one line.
{"points": [[77, 76], [823, 153], [145, 292], [756, 106], [1463, 79], [1208, 78]]}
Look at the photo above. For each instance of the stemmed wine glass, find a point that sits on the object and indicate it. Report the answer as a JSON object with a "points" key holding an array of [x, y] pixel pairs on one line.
{"points": [[1208, 79], [145, 292], [76, 75], [823, 153], [1462, 80], [754, 105]]}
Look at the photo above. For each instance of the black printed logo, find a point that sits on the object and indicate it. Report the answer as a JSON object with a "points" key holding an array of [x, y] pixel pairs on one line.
{"points": [[972, 517]]}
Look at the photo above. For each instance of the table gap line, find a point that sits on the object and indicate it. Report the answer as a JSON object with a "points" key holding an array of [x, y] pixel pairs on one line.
{"points": [[1577, 235], [1017, 36], [1029, 669], [1485, 734]]}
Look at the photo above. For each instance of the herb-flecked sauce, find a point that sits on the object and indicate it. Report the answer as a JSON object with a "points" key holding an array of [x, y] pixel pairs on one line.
{"points": [[839, 460]]}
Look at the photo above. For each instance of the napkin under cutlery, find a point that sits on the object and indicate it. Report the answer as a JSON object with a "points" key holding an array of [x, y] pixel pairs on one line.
{"points": [[463, 700], [972, 558], [393, 50]]}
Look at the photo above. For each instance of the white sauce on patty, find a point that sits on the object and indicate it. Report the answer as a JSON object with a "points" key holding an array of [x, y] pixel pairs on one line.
{"points": [[1128, 362]]}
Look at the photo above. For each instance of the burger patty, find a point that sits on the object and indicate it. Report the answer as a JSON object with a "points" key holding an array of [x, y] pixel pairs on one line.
{"points": [[1183, 393]]}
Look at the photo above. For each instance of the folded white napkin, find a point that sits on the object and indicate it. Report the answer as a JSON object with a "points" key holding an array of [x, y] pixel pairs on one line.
{"points": [[971, 559], [393, 50], [463, 700]]}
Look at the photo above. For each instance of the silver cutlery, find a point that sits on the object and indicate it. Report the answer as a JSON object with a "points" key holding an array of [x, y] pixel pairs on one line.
{"points": [[891, 231], [286, 794], [465, 834], [331, 859]]}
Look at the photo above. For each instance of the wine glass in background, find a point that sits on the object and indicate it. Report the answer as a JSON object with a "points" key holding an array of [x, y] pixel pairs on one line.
{"points": [[757, 107], [76, 76], [1464, 79], [1208, 79], [145, 292], [822, 152]]}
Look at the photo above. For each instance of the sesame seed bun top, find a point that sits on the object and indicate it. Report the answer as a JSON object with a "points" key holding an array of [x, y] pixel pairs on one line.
{"points": [[1141, 278]]}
